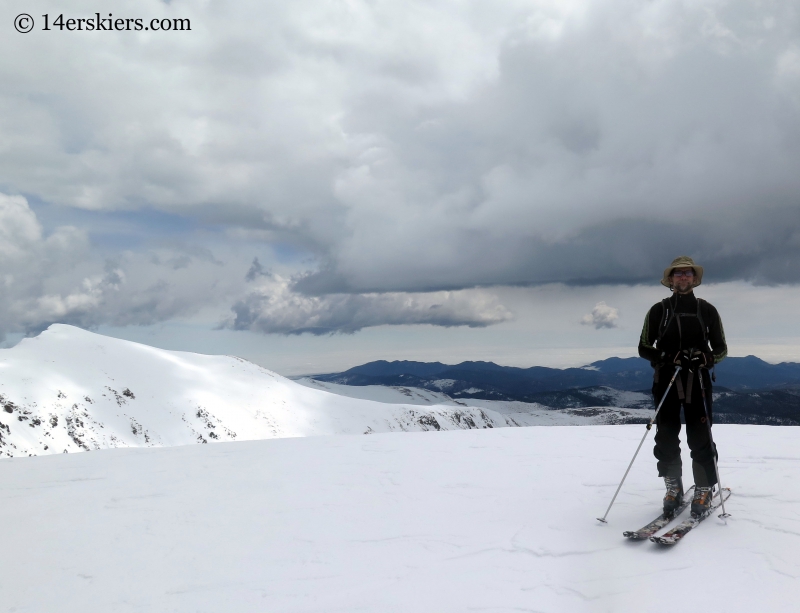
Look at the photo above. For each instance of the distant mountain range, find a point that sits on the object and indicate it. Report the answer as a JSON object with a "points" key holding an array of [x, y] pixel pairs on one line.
{"points": [[747, 390], [632, 374]]}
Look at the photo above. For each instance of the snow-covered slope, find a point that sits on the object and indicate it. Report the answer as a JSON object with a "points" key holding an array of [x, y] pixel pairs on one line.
{"points": [[391, 394], [486, 520], [638, 406], [71, 390]]}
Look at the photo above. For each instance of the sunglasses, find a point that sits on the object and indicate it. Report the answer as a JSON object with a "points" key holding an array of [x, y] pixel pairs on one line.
{"points": [[682, 273]]}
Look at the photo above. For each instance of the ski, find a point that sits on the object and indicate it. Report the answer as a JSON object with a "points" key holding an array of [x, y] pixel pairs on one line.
{"points": [[660, 521], [682, 529]]}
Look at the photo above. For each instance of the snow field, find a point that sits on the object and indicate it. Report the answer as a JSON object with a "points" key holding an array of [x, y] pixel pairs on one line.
{"points": [[480, 520]]}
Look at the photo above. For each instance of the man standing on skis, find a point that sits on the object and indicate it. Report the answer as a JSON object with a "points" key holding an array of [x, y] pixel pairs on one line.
{"points": [[684, 331]]}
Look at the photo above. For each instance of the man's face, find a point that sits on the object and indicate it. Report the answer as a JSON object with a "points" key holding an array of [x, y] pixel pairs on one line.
{"points": [[682, 279]]}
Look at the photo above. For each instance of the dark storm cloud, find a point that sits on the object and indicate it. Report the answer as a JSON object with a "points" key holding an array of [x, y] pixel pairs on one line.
{"points": [[594, 158], [761, 246]]}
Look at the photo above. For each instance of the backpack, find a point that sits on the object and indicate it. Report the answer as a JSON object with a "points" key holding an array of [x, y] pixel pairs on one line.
{"points": [[668, 315]]}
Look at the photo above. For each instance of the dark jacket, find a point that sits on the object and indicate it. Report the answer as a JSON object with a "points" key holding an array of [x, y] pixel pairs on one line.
{"points": [[685, 330]]}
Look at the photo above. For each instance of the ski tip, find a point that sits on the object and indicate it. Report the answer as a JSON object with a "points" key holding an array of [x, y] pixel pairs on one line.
{"points": [[663, 540]]}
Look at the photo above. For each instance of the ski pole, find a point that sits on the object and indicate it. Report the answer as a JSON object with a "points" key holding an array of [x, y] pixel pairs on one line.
{"points": [[723, 515], [650, 425]]}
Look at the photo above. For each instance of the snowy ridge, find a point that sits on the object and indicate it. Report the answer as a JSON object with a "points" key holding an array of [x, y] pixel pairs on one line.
{"points": [[72, 390]]}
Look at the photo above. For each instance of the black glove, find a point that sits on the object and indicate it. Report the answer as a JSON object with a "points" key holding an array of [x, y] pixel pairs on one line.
{"points": [[709, 360], [690, 361]]}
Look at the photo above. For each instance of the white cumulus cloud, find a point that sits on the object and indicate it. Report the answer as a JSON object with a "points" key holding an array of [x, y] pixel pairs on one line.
{"points": [[602, 316]]}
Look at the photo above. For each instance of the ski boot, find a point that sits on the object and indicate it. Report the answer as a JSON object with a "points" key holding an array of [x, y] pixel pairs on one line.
{"points": [[674, 496], [702, 500]]}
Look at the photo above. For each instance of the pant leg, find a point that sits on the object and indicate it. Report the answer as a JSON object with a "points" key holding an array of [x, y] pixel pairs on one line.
{"points": [[703, 450], [668, 426]]}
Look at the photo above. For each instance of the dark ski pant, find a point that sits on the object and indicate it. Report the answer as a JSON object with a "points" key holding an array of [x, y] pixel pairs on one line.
{"points": [[668, 422]]}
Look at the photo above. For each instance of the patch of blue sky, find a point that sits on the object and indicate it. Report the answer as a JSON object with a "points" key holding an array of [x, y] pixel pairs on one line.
{"points": [[140, 228], [287, 253], [118, 229]]}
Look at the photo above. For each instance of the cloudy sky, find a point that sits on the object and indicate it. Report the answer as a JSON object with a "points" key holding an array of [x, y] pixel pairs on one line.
{"points": [[315, 184]]}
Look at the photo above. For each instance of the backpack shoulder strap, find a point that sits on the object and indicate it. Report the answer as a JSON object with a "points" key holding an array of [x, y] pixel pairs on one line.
{"points": [[700, 303], [667, 315]]}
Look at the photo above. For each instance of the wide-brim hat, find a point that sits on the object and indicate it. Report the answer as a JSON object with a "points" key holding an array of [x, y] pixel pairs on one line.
{"points": [[683, 261]]}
